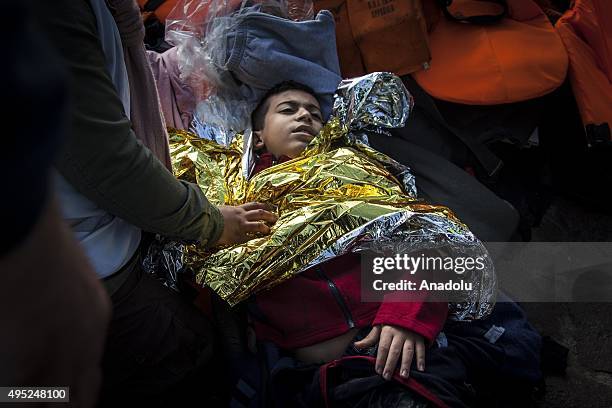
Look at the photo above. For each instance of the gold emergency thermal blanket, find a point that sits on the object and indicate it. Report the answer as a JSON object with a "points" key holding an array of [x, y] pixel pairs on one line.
{"points": [[339, 196]]}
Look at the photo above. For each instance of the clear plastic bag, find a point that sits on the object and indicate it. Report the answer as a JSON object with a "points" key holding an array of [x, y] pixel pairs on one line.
{"points": [[191, 18]]}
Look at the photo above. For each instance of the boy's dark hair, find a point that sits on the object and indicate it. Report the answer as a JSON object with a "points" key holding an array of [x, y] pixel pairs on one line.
{"points": [[259, 113]]}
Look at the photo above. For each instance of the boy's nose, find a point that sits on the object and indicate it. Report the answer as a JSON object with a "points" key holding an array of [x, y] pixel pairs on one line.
{"points": [[304, 114], [304, 117]]}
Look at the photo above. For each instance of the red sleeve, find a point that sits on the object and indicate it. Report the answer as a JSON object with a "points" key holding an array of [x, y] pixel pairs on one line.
{"points": [[420, 315], [424, 318]]}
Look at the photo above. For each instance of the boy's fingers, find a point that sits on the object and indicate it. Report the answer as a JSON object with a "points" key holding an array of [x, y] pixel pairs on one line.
{"points": [[254, 226], [420, 355], [370, 339], [255, 206], [407, 353], [261, 215], [395, 352], [383, 351]]}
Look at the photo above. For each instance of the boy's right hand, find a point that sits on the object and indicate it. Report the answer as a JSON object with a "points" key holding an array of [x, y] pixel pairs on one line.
{"points": [[242, 221], [395, 344]]}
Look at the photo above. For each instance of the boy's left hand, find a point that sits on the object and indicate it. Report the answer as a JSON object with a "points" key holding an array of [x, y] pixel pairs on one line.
{"points": [[394, 342]]}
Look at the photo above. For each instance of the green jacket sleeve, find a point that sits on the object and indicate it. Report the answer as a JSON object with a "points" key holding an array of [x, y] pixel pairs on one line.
{"points": [[101, 156]]}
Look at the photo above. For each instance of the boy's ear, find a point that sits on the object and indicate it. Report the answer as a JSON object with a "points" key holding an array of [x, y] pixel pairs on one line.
{"points": [[258, 143]]}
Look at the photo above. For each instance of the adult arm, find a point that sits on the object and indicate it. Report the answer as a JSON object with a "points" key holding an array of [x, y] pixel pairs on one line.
{"points": [[101, 156]]}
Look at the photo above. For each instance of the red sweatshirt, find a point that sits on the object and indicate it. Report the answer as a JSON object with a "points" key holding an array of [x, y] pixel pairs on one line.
{"points": [[325, 302]]}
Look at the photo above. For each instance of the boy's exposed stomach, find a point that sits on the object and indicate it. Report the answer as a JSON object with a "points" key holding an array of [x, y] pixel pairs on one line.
{"points": [[327, 350]]}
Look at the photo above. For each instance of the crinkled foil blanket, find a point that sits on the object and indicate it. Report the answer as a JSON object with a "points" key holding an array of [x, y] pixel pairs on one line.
{"points": [[339, 196]]}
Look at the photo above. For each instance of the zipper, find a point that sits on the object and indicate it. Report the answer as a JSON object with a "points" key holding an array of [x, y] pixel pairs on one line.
{"points": [[339, 299]]}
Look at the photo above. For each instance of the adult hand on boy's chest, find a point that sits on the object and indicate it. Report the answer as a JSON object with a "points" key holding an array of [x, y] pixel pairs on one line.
{"points": [[241, 222], [395, 342]]}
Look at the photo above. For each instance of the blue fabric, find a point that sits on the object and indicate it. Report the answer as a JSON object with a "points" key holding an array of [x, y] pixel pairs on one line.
{"points": [[520, 343], [264, 50]]}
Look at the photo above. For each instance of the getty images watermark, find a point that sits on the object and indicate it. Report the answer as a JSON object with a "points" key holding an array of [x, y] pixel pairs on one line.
{"points": [[524, 271], [419, 276]]}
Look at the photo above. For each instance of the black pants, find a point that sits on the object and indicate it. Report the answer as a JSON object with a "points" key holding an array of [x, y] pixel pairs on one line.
{"points": [[159, 348]]}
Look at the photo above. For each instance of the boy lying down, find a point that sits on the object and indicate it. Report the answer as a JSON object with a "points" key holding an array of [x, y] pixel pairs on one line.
{"points": [[418, 356], [287, 119]]}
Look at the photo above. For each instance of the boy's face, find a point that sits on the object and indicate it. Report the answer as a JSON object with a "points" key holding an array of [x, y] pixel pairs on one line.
{"points": [[292, 120]]}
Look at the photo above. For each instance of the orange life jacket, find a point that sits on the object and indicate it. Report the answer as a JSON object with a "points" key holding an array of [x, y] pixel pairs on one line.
{"points": [[517, 58], [379, 35], [586, 31], [160, 8]]}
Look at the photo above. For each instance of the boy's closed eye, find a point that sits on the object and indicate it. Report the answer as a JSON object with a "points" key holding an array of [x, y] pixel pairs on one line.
{"points": [[291, 108]]}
